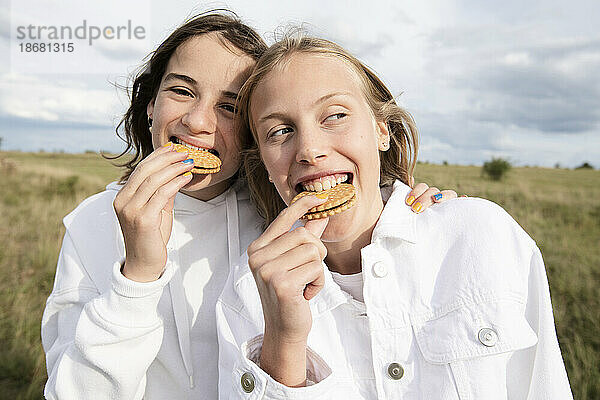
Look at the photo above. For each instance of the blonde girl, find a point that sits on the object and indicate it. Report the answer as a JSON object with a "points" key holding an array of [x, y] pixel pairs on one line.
{"points": [[453, 304]]}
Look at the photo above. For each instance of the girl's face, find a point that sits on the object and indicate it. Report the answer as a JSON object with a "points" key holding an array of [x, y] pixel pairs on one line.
{"points": [[314, 125], [195, 105]]}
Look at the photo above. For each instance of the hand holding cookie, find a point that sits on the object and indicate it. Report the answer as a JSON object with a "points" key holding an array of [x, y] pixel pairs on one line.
{"points": [[288, 270], [144, 208]]}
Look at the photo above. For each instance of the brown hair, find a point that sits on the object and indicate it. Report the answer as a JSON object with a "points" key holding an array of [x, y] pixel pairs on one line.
{"points": [[396, 163], [230, 30]]}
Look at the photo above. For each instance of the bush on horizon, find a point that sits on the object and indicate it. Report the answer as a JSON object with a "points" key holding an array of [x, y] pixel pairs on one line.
{"points": [[496, 169]]}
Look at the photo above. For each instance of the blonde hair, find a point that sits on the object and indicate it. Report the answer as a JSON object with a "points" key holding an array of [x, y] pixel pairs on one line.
{"points": [[396, 163]]}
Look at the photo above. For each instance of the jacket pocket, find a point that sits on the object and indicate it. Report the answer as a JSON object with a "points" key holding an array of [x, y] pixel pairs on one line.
{"points": [[473, 344]]}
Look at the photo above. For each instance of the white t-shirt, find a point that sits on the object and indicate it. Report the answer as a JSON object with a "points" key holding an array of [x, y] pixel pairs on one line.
{"points": [[351, 284]]}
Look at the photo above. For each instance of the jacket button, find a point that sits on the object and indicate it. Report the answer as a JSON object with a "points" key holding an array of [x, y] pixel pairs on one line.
{"points": [[488, 337], [395, 371], [247, 382], [379, 269]]}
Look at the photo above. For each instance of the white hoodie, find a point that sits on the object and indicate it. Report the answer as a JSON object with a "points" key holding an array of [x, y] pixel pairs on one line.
{"points": [[107, 337]]}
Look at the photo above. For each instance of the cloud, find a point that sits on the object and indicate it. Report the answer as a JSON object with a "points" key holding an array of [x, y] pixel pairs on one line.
{"points": [[59, 101], [5, 24], [10, 122], [516, 80], [511, 77]]}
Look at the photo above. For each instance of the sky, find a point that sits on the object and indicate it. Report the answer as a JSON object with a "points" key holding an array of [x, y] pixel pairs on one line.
{"points": [[482, 79]]}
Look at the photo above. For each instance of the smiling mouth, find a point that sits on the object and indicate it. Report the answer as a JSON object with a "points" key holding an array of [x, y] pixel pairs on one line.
{"points": [[174, 139], [336, 188], [324, 182]]}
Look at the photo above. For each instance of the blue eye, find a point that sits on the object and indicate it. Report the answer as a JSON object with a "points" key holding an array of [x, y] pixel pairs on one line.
{"points": [[281, 131], [336, 116]]}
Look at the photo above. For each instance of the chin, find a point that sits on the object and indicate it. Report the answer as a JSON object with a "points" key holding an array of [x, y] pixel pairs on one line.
{"points": [[340, 227], [198, 182]]}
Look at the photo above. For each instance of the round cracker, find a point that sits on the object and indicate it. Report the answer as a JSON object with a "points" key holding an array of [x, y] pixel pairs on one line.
{"points": [[339, 198], [333, 211], [203, 160], [204, 171]]}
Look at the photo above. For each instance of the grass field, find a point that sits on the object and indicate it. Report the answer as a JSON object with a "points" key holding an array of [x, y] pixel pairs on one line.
{"points": [[559, 208]]}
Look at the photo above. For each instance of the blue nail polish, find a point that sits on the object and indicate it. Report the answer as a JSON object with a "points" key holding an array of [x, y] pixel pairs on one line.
{"points": [[437, 196], [188, 161]]}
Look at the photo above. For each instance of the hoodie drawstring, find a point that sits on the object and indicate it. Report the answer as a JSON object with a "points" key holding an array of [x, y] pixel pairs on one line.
{"points": [[233, 228], [182, 321]]}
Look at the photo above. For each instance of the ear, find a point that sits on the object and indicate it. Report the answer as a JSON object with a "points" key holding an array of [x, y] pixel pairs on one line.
{"points": [[150, 108], [383, 136]]}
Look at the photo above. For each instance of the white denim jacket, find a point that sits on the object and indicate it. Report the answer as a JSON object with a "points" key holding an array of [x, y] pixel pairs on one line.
{"points": [[456, 306]]}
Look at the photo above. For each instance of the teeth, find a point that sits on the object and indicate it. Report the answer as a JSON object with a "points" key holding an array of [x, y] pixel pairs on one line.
{"points": [[189, 146], [324, 183]]}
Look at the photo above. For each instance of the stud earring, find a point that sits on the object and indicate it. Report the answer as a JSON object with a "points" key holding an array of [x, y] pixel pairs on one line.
{"points": [[270, 179], [385, 146], [149, 124]]}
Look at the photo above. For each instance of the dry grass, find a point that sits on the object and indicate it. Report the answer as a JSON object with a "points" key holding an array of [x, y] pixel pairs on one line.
{"points": [[558, 208]]}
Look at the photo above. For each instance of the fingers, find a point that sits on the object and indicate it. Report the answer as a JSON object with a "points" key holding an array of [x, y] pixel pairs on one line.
{"points": [[163, 197], [312, 274], [424, 200], [317, 226], [158, 179], [156, 161], [284, 221], [445, 195], [307, 279], [284, 246], [417, 191], [431, 196]]}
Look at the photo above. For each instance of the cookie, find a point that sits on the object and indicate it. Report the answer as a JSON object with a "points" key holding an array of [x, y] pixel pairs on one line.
{"points": [[339, 198], [204, 161]]}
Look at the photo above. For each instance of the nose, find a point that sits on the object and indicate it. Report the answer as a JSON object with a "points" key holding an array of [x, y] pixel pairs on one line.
{"points": [[200, 118], [311, 146]]}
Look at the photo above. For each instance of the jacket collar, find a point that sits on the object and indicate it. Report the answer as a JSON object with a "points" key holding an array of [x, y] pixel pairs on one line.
{"points": [[396, 220]]}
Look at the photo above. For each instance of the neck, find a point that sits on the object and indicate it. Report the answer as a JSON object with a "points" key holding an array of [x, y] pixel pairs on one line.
{"points": [[344, 257], [208, 193]]}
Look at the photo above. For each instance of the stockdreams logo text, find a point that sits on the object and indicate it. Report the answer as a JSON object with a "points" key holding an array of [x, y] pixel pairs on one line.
{"points": [[83, 32]]}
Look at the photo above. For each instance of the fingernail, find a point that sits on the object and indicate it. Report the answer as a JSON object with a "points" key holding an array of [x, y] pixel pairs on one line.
{"points": [[168, 144], [410, 200], [437, 196], [188, 161], [187, 174], [322, 195], [417, 207]]}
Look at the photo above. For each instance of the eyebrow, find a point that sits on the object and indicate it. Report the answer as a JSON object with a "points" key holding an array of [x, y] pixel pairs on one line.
{"points": [[279, 115], [231, 95], [173, 76]]}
